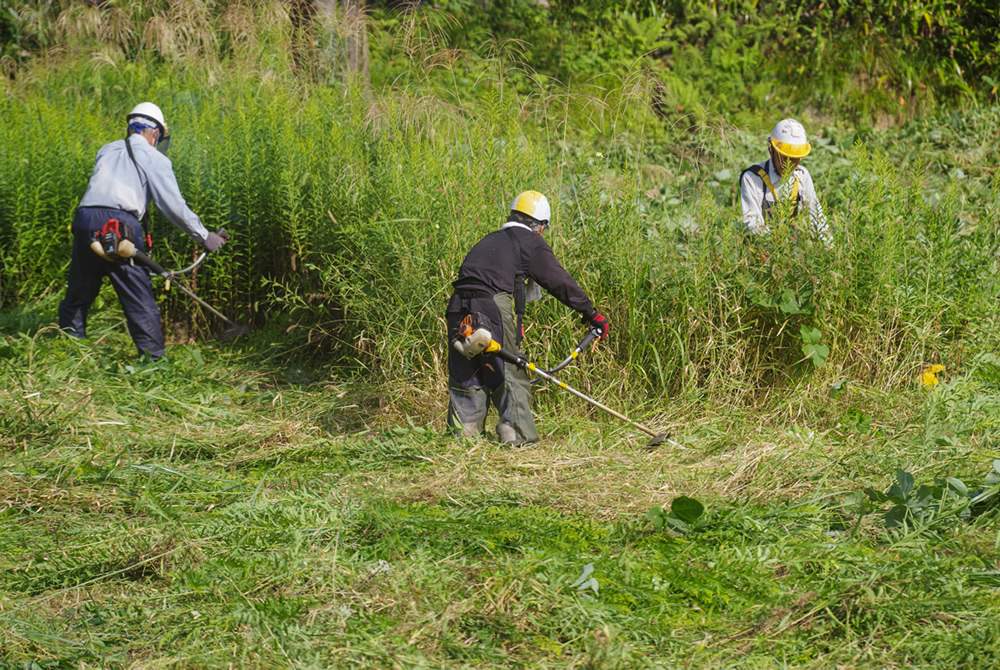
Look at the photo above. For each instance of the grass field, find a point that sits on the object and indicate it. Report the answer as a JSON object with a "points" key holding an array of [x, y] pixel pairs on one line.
{"points": [[224, 508], [290, 500]]}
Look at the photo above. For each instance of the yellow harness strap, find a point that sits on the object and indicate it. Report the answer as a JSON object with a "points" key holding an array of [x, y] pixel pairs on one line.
{"points": [[762, 173]]}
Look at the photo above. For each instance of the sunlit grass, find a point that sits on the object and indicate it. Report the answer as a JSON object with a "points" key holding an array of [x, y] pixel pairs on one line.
{"points": [[210, 504]]}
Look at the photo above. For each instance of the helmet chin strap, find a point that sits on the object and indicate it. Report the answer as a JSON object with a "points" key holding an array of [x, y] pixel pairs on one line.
{"points": [[779, 160]]}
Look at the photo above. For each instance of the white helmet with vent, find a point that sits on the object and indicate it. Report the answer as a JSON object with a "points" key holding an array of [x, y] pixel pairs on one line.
{"points": [[789, 139]]}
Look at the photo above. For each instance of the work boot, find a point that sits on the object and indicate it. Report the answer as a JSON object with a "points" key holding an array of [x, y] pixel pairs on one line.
{"points": [[508, 437]]}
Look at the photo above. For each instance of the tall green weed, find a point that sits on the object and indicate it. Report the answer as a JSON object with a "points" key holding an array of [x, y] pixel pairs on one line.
{"points": [[351, 209]]}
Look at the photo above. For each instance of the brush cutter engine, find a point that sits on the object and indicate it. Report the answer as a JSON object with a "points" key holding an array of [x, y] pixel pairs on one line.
{"points": [[473, 336], [114, 242]]}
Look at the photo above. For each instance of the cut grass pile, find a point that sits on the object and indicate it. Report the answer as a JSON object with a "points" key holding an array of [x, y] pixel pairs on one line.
{"points": [[225, 507]]}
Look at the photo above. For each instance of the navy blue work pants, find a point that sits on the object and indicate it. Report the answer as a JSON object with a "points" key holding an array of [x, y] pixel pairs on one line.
{"points": [[131, 282]]}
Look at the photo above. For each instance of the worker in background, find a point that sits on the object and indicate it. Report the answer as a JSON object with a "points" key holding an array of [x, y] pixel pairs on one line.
{"points": [[127, 175], [781, 178], [492, 281]]}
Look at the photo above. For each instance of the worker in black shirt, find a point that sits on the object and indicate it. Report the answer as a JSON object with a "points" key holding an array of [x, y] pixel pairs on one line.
{"points": [[491, 282]]}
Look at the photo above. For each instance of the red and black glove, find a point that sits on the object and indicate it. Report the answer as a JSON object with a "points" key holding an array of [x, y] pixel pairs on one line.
{"points": [[600, 323]]}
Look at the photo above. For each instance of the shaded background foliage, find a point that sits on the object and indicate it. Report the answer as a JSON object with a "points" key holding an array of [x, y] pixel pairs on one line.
{"points": [[351, 204]]}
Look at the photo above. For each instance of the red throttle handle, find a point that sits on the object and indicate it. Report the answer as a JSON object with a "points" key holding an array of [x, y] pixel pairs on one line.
{"points": [[600, 323]]}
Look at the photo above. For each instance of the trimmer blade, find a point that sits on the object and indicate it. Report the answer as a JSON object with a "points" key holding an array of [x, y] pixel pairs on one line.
{"points": [[233, 332], [658, 440]]}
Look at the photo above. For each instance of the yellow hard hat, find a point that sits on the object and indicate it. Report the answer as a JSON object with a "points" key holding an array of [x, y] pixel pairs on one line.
{"points": [[534, 204]]}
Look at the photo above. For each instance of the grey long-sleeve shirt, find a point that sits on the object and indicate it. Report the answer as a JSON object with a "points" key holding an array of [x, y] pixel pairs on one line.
{"points": [[116, 184]]}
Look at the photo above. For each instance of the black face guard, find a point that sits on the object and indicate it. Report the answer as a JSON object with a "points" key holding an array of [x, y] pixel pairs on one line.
{"points": [[162, 139], [163, 144]]}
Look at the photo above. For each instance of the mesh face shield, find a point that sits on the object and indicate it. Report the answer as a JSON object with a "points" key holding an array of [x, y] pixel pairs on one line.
{"points": [[163, 144], [140, 124]]}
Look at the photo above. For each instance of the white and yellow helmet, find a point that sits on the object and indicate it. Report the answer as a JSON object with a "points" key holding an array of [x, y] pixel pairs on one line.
{"points": [[534, 204], [789, 139]]}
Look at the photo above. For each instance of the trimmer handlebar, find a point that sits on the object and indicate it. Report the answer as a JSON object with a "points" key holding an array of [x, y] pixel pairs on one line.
{"points": [[221, 232], [593, 335]]}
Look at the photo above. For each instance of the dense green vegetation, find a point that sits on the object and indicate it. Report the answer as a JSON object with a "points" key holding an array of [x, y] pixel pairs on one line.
{"points": [[287, 500]]}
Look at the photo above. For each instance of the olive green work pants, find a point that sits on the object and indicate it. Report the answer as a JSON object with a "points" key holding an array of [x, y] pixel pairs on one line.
{"points": [[474, 384]]}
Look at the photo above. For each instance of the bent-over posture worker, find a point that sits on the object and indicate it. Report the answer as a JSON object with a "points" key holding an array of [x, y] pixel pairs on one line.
{"points": [[491, 281], [127, 175], [779, 178]]}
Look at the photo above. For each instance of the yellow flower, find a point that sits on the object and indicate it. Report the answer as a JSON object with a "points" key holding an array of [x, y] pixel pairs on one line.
{"points": [[928, 378]]}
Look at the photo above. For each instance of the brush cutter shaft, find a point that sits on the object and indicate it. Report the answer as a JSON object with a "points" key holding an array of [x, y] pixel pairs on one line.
{"points": [[522, 362], [206, 305], [150, 263], [172, 275]]}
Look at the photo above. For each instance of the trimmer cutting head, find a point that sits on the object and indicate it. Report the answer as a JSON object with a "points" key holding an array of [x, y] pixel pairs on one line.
{"points": [[233, 332], [658, 439]]}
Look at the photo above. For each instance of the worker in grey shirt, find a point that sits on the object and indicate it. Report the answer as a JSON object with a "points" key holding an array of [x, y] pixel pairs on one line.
{"points": [[127, 175]]}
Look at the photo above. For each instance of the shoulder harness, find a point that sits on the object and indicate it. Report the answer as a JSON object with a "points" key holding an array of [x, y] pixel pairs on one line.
{"points": [[145, 215], [762, 173]]}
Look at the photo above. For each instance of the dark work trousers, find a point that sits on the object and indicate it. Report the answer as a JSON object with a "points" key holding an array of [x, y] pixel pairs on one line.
{"points": [[131, 282], [473, 384]]}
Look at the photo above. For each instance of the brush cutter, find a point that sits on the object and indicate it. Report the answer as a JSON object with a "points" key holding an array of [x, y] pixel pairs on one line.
{"points": [[474, 337], [112, 248], [592, 336]]}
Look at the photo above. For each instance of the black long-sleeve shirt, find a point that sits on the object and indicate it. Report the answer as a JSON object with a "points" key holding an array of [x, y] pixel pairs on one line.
{"points": [[491, 266]]}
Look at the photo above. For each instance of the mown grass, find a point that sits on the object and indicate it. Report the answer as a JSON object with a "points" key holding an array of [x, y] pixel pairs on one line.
{"points": [[207, 511]]}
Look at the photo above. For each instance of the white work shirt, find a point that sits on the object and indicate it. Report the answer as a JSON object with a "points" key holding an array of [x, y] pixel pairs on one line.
{"points": [[116, 184], [757, 199]]}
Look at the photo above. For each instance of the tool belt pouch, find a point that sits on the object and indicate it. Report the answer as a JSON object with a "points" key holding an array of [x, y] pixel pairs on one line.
{"points": [[114, 242]]}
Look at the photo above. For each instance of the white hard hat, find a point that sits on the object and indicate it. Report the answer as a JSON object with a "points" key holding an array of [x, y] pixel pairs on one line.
{"points": [[789, 139], [534, 204], [148, 110]]}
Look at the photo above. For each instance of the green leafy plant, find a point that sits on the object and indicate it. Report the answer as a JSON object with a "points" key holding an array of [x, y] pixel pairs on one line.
{"points": [[931, 506], [855, 421], [683, 515], [811, 348], [837, 388]]}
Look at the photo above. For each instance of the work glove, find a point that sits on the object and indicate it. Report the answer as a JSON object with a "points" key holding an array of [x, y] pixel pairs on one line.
{"points": [[599, 322], [213, 243]]}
